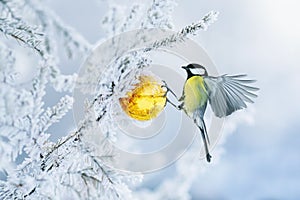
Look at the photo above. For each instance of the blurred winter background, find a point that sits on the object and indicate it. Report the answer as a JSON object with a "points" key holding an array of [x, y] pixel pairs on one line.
{"points": [[262, 39], [259, 158]]}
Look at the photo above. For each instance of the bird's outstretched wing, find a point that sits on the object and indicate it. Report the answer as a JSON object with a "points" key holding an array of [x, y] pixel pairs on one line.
{"points": [[227, 94]]}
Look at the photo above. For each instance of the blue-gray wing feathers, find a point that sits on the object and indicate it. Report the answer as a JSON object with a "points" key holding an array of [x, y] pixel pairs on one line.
{"points": [[227, 94]]}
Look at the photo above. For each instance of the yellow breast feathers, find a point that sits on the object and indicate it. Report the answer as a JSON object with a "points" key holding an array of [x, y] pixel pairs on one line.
{"points": [[195, 95]]}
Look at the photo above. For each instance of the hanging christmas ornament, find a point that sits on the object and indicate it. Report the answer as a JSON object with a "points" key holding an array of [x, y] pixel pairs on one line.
{"points": [[146, 100]]}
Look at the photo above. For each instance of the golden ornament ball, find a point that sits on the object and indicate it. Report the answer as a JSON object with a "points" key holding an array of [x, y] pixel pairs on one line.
{"points": [[146, 100]]}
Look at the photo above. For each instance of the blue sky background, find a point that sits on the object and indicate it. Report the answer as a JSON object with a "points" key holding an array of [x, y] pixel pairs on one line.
{"points": [[257, 37], [260, 38]]}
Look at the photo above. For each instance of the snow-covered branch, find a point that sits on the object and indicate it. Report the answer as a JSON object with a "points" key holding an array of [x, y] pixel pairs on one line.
{"points": [[20, 30], [74, 166], [203, 24]]}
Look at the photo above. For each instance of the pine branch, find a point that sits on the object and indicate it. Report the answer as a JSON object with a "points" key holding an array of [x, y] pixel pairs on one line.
{"points": [[206, 21], [159, 14], [131, 17], [22, 32], [74, 164], [52, 115]]}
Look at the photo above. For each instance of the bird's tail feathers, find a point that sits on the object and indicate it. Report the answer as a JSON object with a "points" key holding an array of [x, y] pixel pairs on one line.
{"points": [[201, 125]]}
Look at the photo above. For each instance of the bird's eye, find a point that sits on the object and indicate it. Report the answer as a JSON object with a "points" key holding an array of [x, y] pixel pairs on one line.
{"points": [[198, 71]]}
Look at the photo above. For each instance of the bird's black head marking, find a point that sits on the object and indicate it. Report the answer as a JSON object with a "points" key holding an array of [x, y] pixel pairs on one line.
{"points": [[195, 70]]}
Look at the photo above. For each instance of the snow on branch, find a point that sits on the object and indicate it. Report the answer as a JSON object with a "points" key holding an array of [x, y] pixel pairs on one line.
{"points": [[49, 20], [159, 14], [203, 24], [15, 27], [52, 115], [7, 62], [74, 166]]}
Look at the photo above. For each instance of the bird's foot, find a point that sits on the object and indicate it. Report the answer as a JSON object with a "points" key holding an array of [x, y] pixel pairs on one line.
{"points": [[165, 85]]}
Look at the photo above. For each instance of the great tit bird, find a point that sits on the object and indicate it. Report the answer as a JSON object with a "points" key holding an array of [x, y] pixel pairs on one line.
{"points": [[225, 95]]}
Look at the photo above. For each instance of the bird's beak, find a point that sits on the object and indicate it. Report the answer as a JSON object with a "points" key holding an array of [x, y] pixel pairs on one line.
{"points": [[183, 67]]}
